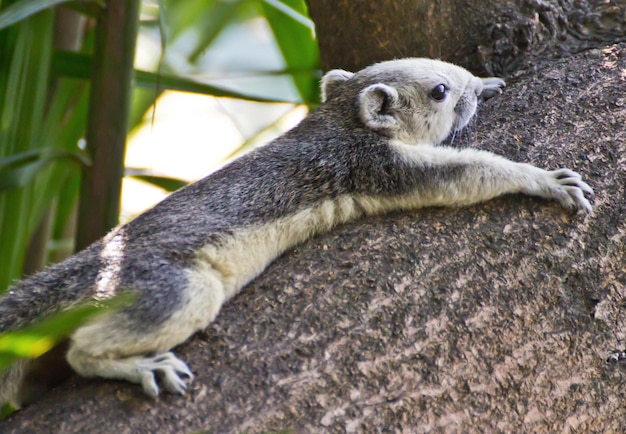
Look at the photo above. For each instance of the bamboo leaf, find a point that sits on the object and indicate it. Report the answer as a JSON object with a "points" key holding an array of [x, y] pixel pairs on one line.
{"points": [[78, 65], [61, 243], [293, 14], [215, 19], [26, 8], [206, 18], [256, 139], [30, 163], [148, 79], [25, 51], [20, 177], [38, 338], [167, 183], [64, 126], [21, 158], [71, 64], [141, 101], [295, 36]]}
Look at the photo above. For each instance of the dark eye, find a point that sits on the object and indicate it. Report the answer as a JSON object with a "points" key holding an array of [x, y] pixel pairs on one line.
{"points": [[439, 92]]}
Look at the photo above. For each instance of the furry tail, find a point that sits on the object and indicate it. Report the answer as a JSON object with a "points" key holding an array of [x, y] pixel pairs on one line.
{"points": [[52, 290]]}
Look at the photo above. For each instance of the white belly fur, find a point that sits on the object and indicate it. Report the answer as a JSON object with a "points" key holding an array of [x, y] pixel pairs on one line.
{"points": [[244, 255], [221, 270]]}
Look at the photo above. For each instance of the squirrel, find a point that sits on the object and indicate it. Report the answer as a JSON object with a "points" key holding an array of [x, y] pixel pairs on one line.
{"points": [[371, 147]]}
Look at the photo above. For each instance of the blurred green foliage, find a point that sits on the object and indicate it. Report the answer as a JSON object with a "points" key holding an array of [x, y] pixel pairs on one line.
{"points": [[44, 94]]}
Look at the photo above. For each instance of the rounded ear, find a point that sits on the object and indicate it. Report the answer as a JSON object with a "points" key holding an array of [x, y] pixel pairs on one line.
{"points": [[331, 80], [376, 106]]}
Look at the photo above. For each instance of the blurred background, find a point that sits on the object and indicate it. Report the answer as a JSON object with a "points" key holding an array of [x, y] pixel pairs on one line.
{"points": [[210, 80]]}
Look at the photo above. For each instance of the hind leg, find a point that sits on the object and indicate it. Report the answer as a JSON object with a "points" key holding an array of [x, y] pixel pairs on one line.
{"points": [[127, 346], [136, 369]]}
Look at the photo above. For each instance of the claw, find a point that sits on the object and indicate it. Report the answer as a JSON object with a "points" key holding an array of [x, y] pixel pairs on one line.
{"points": [[171, 368], [575, 188], [149, 386], [580, 201]]}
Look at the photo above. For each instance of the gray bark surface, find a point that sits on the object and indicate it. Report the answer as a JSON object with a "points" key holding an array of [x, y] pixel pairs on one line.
{"points": [[494, 37], [494, 318]]}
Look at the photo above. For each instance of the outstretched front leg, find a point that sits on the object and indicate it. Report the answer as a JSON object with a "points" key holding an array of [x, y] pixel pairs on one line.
{"points": [[467, 176]]}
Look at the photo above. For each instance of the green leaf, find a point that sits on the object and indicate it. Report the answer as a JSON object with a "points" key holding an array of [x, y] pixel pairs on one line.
{"points": [[25, 8], [205, 18], [214, 20], [293, 14], [61, 243], [6, 410], [31, 163], [78, 65], [25, 51], [149, 79], [21, 158], [295, 36], [142, 100], [64, 126], [256, 139], [71, 64], [38, 338], [165, 182]]}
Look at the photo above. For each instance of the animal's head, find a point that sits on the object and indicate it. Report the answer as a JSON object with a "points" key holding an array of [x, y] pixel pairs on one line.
{"points": [[413, 100]]}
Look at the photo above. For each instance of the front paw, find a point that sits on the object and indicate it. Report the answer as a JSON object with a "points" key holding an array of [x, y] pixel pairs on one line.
{"points": [[570, 190]]}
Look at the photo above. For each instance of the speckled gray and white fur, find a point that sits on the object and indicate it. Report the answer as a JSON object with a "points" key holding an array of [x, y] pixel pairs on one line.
{"points": [[370, 148]]}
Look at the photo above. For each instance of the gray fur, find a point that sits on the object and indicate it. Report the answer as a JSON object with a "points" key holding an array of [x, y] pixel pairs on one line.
{"points": [[332, 80], [368, 149]]}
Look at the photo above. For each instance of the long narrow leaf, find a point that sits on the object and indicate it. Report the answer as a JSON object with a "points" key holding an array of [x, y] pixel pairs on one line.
{"points": [[21, 158], [77, 65], [148, 79], [64, 126], [29, 169], [26, 51], [46, 154], [296, 39], [205, 18], [292, 13], [141, 101], [218, 16], [23, 9], [167, 183], [61, 244], [38, 338]]}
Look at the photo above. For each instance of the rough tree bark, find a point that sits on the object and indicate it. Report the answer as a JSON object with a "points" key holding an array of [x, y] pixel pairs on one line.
{"points": [[488, 37], [497, 317]]}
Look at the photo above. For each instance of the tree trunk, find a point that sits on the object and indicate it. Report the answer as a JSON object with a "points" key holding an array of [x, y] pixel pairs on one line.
{"points": [[107, 125], [497, 317], [488, 37]]}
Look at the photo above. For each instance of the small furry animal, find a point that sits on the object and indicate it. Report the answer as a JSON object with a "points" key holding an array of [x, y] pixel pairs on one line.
{"points": [[369, 148]]}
